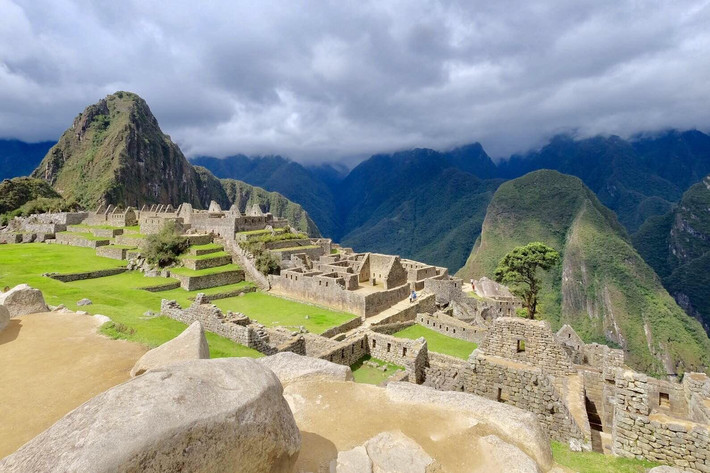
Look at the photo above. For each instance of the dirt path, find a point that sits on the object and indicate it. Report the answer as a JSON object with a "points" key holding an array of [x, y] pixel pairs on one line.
{"points": [[50, 364]]}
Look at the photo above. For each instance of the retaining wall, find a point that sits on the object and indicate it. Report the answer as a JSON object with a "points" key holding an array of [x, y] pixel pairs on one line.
{"points": [[87, 275], [195, 283]]}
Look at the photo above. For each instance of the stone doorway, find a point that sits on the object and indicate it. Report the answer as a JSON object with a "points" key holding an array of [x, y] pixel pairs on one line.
{"points": [[595, 423]]}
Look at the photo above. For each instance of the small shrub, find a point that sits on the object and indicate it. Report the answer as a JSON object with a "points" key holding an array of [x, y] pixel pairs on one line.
{"points": [[266, 263], [163, 249]]}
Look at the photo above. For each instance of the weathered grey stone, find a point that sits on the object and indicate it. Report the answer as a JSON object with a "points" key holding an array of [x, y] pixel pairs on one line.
{"points": [[191, 344], [4, 317], [506, 457], [290, 367], [513, 425], [84, 302], [101, 319], [23, 300], [394, 452], [354, 461], [665, 469], [221, 415]]}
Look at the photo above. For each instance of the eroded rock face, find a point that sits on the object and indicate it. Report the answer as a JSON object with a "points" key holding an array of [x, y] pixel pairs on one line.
{"points": [[4, 317], [506, 457], [221, 415], [23, 300], [290, 367], [191, 344], [388, 452]]}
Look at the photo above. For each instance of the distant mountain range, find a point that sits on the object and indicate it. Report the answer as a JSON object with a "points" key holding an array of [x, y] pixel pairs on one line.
{"points": [[429, 205]]}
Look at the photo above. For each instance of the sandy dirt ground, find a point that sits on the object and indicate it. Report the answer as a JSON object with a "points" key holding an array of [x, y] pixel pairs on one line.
{"points": [[50, 364], [337, 416]]}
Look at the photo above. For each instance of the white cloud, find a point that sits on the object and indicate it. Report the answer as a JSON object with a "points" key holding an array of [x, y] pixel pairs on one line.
{"points": [[333, 80]]}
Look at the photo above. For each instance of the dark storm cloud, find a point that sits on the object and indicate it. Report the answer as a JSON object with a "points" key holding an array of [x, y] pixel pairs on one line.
{"points": [[331, 80]]}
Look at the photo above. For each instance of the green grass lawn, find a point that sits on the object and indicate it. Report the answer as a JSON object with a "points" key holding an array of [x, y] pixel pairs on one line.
{"points": [[207, 246], [438, 342], [368, 375], [217, 254], [88, 236], [115, 296], [272, 311], [592, 462]]}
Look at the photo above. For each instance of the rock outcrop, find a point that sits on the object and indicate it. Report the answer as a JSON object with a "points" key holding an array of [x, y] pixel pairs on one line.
{"points": [[4, 317], [290, 367], [505, 456], [221, 415], [391, 452], [511, 424], [191, 344], [23, 300]]}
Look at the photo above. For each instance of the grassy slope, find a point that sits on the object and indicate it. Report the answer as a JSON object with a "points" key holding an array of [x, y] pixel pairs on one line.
{"points": [[592, 462], [607, 284], [438, 342], [118, 297], [369, 375]]}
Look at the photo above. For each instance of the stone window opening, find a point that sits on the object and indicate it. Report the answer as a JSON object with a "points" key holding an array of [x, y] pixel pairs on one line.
{"points": [[520, 348], [447, 329], [361, 344], [569, 335], [342, 353], [389, 347], [454, 330], [352, 349], [374, 343], [664, 400]]}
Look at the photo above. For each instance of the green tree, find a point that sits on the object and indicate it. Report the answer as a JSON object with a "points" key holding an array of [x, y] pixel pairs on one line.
{"points": [[164, 248], [518, 269]]}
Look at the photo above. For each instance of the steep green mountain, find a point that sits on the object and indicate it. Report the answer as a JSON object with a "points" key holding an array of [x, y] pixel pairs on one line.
{"points": [[285, 177], [244, 196], [16, 192], [18, 158], [603, 288], [677, 246], [415, 204], [116, 153], [633, 178]]}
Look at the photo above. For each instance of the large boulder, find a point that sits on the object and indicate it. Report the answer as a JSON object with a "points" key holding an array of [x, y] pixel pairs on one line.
{"points": [[191, 344], [221, 415], [23, 300], [503, 456], [4, 317], [513, 425], [290, 367], [388, 452]]}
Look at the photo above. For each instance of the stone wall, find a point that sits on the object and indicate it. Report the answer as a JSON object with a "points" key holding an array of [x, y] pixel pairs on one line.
{"points": [[526, 387], [451, 327], [425, 304], [391, 329], [195, 283], [411, 354], [376, 302], [387, 270], [77, 240], [231, 326], [204, 263], [446, 290], [530, 342], [246, 262], [642, 432], [347, 352], [112, 252], [9, 238], [128, 240], [697, 387], [87, 275], [445, 373], [342, 328]]}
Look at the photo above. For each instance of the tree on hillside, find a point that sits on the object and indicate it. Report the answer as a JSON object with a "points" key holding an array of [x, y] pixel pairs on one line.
{"points": [[163, 248], [518, 269]]}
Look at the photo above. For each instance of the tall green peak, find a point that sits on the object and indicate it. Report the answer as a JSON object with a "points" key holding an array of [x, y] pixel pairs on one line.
{"points": [[602, 287], [116, 153]]}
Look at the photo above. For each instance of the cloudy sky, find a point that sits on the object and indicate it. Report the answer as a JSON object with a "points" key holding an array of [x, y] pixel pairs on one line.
{"points": [[339, 80]]}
